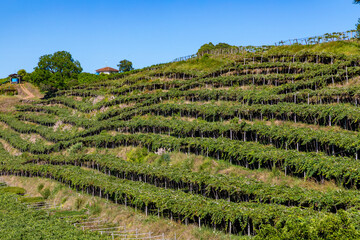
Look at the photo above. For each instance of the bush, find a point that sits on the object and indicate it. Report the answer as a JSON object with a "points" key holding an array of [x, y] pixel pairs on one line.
{"points": [[46, 193], [31, 199], [15, 190], [137, 155], [94, 209], [40, 187], [78, 203], [76, 147], [164, 159], [187, 164]]}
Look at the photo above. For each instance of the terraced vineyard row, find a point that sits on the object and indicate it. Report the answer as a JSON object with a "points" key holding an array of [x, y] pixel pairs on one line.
{"points": [[294, 114], [286, 136]]}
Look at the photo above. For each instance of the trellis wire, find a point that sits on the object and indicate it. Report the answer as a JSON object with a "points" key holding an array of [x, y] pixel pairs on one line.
{"points": [[327, 37]]}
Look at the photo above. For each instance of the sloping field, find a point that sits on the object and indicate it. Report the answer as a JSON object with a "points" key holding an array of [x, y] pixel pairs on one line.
{"points": [[207, 142]]}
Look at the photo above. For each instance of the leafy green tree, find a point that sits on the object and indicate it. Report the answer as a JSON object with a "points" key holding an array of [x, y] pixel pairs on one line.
{"points": [[56, 71], [22, 72], [125, 66], [206, 47], [24, 75], [210, 46], [222, 45]]}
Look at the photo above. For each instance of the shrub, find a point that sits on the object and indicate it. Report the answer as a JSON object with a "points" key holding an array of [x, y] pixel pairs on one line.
{"points": [[94, 209], [164, 159], [137, 155], [78, 203], [15, 190], [46, 193], [40, 187]]}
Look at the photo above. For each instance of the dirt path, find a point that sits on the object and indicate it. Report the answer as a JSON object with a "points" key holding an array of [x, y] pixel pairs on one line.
{"points": [[26, 92]]}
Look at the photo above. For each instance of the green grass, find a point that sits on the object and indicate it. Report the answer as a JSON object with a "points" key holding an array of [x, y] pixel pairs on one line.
{"points": [[31, 199], [203, 65], [339, 47], [15, 190]]}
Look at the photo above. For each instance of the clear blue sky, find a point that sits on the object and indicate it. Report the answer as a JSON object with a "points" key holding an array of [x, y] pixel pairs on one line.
{"points": [[103, 32]]}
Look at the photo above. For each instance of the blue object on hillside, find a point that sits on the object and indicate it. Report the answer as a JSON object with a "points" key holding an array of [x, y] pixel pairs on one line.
{"points": [[15, 78]]}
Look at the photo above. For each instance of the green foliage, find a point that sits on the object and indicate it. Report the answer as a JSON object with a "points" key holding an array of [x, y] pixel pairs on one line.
{"points": [[125, 66], [208, 47], [32, 199], [94, 208], [85, 78], [206, 165], [45, 193], [350, 48], [79, 202], [64, 200], [163, 160], [331, 227], [358, 29], [187, 163], [137, 155], [56, 71], [40, 187], [19, 222], [24, 75], [75, 215], [14, 190], [75, 148], [216, 107]]}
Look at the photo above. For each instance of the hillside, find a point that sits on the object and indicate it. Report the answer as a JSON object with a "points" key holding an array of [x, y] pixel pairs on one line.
{"points": [[255, 145]]}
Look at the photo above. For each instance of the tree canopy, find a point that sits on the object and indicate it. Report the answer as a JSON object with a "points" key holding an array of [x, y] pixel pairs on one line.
{"points": [[56, 71], [125, 66], [24, 75], [210, 46]]}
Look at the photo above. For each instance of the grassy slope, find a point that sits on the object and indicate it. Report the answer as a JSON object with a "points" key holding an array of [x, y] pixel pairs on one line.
{"points": [[198, 163], [341, 47], [205, 65], [20, 222], [111, 212]]}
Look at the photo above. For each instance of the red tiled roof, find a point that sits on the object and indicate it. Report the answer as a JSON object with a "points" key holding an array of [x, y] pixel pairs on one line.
{"points": [[107, 69]]}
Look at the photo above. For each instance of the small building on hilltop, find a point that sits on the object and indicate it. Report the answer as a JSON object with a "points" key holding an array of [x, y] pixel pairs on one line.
{"points": [[15, 78], [106, 70]]}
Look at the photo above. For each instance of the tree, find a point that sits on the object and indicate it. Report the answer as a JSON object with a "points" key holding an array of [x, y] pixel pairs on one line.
{"points": [[222, 46], [22, 72], [56, 71], [24, 75], [206, 47], [125, 66]]}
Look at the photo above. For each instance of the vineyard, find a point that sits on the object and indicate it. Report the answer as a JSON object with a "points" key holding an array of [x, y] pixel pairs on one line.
{"points": [[132, 140], [21, 222]]}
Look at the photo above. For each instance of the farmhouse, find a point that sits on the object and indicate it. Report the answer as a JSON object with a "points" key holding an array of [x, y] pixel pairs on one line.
{"points": [[15, 78], [107, 70]]}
